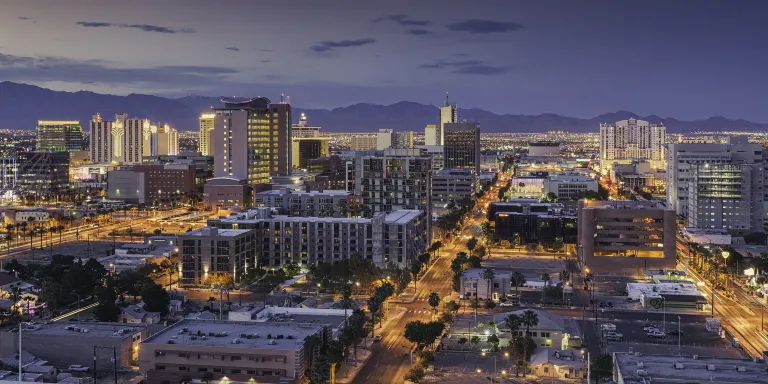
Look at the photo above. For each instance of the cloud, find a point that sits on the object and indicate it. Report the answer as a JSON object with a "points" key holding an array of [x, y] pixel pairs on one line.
{"points": [[263, 50], [461, 54], [402, 20], [44, 69], [441, 64], [418, 32], [23, 18], [266, 61], [232, 48], [142, 27], [325, 46], [480, 70], [479, 26]]}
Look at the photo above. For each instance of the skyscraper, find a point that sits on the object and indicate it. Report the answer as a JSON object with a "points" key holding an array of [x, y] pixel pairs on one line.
{"points": [[129, 133], [384, 139], [402, 140], [302, 129], [241, 136], [632, 139], [449, 114], [205, 145], [280, 139], [163, 140], [102, 140], [462, 146], [59, 135], [430, 134]]}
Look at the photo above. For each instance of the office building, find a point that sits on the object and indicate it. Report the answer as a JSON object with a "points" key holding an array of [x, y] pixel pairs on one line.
{"points": [[243, 141], [59, 135], [384, 139], [302, 129], [208, 251], [727, 196], [449, 114], [227, 192], [453, 185], [626, 236], [362, 142], [327, 203], [231, 351], [42, 173], [280, 144], [430, 134], [161, 140], [543, 148], [397, 237], [394, 179], [472, 284], [638, 175], [102, 141], [305, 149], [631, 368], [462, 146], [683, 158], [436, 153], [88, 344], [526, 221], [402, 140], [337, 170], [149, 183], [632, 139], [203, 165], [569, 186], [205, 146]]}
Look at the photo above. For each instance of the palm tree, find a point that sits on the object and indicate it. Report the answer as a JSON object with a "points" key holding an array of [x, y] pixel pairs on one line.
{"points": [[434, 302], [312, 344], [488, 234], [545, 277], [437, 245], [489, 275], [513, 321], [519, 280], [529, 319], [564, 277], [346, 301]]}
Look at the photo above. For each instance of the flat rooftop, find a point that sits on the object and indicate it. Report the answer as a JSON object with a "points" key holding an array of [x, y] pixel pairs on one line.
{"points": [[225, 332], [281, 192], [477, 273], [402, 216], [94, 330], [662, 369], [220, 232]]}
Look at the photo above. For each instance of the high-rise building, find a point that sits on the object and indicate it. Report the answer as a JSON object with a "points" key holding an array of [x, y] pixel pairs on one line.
{"points": [[163, 140], [362, 142], [42, 173], [59, 135], [280, 139], [462, 146], [683, 158], [384, 139], [242, 140], [449, 113], [430, 134], [206, 134], [102, 142], [727, 196], [402, 140], [303, 130], [453, 185], [437, 154], [632, 139], [306, 148], [129, 133]]}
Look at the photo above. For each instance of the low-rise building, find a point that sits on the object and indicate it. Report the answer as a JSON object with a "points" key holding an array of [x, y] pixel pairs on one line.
{"points": [[134, 314], [362, 142], [262, 352], [543, 148], [634, 368], [552, 330], [475, 285], [148, 183], [569, 186], [707, 236], [525, 221], [558, 363], [227, 192], [326, 203], [453, 185], [209, 251]]}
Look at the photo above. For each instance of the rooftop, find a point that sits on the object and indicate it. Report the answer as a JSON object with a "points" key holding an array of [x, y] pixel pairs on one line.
{"points": [[640, 368], [285, 191], [220, 232], [570, 358], [402, 216], [235, 334], [477, 273], [95, 330]]}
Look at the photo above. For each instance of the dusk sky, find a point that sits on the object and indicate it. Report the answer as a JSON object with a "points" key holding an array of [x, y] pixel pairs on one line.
{"points": [[685, 59]]}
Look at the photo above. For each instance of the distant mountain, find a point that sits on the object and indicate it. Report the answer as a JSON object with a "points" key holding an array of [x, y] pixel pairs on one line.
{"points": [[21, 105]]}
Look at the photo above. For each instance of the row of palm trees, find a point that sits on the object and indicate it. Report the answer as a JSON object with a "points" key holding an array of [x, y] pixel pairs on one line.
{"points": [[515, 322]]}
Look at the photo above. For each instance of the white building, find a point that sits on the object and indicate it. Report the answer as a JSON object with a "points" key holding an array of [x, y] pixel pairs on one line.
{"points": [[205, 146], [430, 134], [121, 140], [632, 139], [102, 143], [569, 186], [436, 153], [727, 196], [453, 185], [683, 158], [302, 130], [707, 236], [449, 113], [543, 148], [362, 142], [161, 140], [553, 330], [384, 139]]}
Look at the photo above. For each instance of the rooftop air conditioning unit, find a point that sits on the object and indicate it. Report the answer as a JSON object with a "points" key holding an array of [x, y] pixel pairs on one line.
{"points": [[679, 366], [710, 367], [741, 368], [642, 372], [640, 364]]}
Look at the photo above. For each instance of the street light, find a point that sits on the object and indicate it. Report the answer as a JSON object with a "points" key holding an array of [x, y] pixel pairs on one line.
{"points": [[725, 265]]}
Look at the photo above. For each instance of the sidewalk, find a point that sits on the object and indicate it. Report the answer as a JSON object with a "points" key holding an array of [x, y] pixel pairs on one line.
{"points": [[348, 372]]}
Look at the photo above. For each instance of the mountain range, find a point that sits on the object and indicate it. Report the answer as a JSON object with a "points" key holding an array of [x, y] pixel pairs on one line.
{"points": [[21, 105]]}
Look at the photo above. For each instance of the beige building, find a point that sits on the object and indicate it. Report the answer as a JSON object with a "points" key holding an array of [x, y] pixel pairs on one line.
{"points": [[211, 250], [205, 145], [553, 330], [625, 236], [557, 363], [236, 351], [362, 142]]}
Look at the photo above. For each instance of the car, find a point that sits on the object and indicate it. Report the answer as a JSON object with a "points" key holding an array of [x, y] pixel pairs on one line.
{"points": [[377, 339], [608, 327], [77, 368], [675, 332], [657, 334], [629, 300], [650, 328], [506, 304], [610, 304], [613, 336]]}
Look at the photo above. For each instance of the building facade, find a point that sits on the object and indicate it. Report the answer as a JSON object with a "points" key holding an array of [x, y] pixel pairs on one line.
{"points": [[146, 183], [328, 203], [430, 134], [42, 173], [462, 145], [449, 114], [569, 186], [626, 236], [727, 196], [280, 142], [543, 148], [632, 139], [242, 140], [362, 142], [402, 140], [395, 179], [208, 251], [305, 149], [102, 142], [227, 192], [59, 135], [205, 146], [453, 185]]}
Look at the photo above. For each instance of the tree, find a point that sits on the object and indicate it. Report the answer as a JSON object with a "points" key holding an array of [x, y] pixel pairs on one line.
{"points": [[525, 346], [107, 310], [475, 304], [158, 231], [374, 305], [756, 238], [480, 252], [346, 300], [602, 366], [424, 258], [489, 305], [446, 317], [415, 269], [155, 298], [474, 262], [416, 374], [436, 246], [219, 279], [544, 277], [471, 244], [415, 332], [452, 306], [434, 301], [487, 230], [489, 275], [529, 319], [494, 341], [518, 279]]}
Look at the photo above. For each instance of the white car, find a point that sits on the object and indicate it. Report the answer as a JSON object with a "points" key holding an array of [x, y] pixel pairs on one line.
{"points": [[608, 327], [77, 368], [613, 336], [658, 334], [650, 329]]}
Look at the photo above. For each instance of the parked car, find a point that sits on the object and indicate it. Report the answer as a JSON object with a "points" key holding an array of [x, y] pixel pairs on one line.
{"points": [[658, 335], [650, 328], [613, 336], [675, 332], [608, 327], [377, 339], [77, 368], [507, 304]]}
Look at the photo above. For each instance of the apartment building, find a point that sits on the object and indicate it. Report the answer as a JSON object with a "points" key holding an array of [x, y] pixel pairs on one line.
{"points": [[569, 186], [212, 250], [394, 179], [362, 142], [326, 203], [453, 185], [631, 139]]}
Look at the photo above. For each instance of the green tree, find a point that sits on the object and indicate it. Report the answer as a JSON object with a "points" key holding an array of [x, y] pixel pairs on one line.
{"points": [[549, 198], [471, 244], [107, 309], [513, 322], [346, 299], [434, 301], [489, 274], [374, 306], [494, 341], [155, 298], [545, 277], [758, 238], [452, 306], [480, 252], [602, 367], [474, 262], [518, 279], [415, 269], [525, 346], [415, 332], [489, 305], [488, 234]]}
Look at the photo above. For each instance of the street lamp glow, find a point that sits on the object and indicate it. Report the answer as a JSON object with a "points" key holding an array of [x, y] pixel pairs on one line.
{"points": [[506, 354], [479, 370], [725, 254], [483, 354]]}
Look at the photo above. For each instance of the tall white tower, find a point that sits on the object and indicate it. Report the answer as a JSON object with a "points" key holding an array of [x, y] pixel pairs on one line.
{"points": [[449, 113]]}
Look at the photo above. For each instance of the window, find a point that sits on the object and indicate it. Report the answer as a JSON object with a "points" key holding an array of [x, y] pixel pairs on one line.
{"points": [[546, 369], [202, 369], [160, 367], [182, 368], [545, 334], [217, 370], [183, 355], [533, 334], [235, 358], [251, 371], [236, 371]]}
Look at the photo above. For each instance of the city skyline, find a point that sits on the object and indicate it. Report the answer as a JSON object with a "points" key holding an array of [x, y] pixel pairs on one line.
{"points": [[513, 58]]}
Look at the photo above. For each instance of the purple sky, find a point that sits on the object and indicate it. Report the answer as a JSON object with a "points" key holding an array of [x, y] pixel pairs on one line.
{"points": [[687, 59]]}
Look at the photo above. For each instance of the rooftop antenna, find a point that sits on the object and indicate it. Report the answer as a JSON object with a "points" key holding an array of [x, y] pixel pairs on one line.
{"points": [[446, 99]]}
